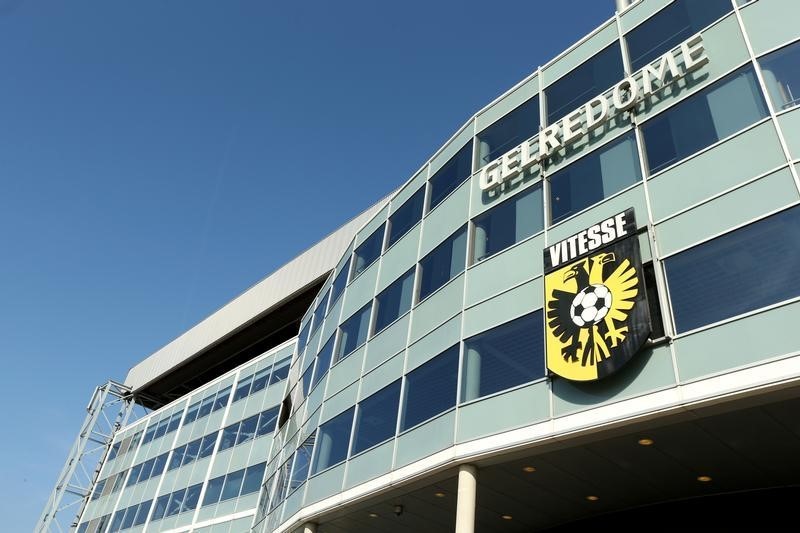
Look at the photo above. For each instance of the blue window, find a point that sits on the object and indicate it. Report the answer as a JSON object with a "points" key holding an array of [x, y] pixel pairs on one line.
{"points": [[302, 461], [213, 490], [353, 332], [280, 372], [141, 514], [192, 451], [510, 131], [261, 379], [161, 429], [174, 422], [221, 399], [594, 177], [302, 338], [406, 216], [746, 269], [207, 445], [670, 27], [192, 497], [333, 441], [503, 357], [229, 437], [431, 388], [191, 414], [130, 516], [368, 251], [175, 503], [394, 300], [205, 407], [508, 223], [584, 83], [451, 175], [266, 421], [247, 429], [253, 476], [161, 507], [306, 379], [232, 486], [339, 283], [377, 418], [134, 477], [319, 312], [116, 522], [177, 457], [444, 263], [782, 76], [323, 362], [159, 464], [726, 107], [281, 484]]}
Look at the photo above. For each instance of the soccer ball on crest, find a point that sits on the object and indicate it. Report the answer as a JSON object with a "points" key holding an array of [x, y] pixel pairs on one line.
{"points": [[590, 305]]}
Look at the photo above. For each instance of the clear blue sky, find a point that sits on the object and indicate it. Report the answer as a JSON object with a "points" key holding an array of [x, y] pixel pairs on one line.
{"points": [[159, 157]]}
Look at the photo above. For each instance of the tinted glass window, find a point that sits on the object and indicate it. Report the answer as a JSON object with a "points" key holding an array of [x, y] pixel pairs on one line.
{"points": [[247, 429], [503, 357], [670, 27], [306, 379], [175, 502], [252, 478], [443, 263], [141, 514], [261, 379], [726, 107], [161, 507], [177, 457], [281, 483], [368, 251], [594, 177], [302, 460], [323, 361], [510, 222], [222, 398], [394, 301], [510, 131], [782, 76], [431, 388], [266, 421], [191, 414], [302, 338], [280, 372], [353, 332], [584, 83], [207, 444], [213, 490], [191, 498], [377, 418], [192, 449], [451, 175], [340, 282], [130, 515], [205, 407], [229, 436], [159, 464], [332, 441], [233, 484], [406, 216], [727, 276], [319, 312]]}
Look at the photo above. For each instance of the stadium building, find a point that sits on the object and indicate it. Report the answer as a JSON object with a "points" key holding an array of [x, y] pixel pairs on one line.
{"points": [[580, 311]]}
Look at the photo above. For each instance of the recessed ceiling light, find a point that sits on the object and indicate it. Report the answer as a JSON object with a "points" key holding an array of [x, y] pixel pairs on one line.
{"points": [[592, 498], [646, 442], [529, 469], [703, 479], [507, 517], [439, 494], [373, 515]]}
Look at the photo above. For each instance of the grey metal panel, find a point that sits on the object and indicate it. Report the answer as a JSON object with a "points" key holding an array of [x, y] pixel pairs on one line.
{"points": [[268, 293]]}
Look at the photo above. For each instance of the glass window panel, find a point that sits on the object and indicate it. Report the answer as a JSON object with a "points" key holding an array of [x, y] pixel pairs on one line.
{"points": [[353, 332], [503, 357], [781, 71], [247, 430], [116, 522], [233, 484], [512, 130], [394, 301], [191, 414], [161, 507], [323, 362], [508, 223], [141, 514], [207, 445], [205, 406], [281, 484], [159, 464], [192, 450], [213, 490], [175, 502], [306, 379], [266, 421], [670, 27], [451, 175], [134, 477], [192, 497], [98, 489], [406, 216], [161, 429], [368, 251], [443, 263], [174, 422], [726, 277], [302, 338], [431, 388], [130, 516], [302, 460], [726, 107], [252, 478], [377, 418], [147, 468], [177, 457], [594, 177], [222, 398], [229, 436], [333, 441], [260, 380], [280, 372], [118, 481], [114, 450], [319, 312], [340, 282], [584, 83]]}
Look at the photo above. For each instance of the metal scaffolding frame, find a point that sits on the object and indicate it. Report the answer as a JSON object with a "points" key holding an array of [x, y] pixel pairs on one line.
{"points": [[108, 410]]}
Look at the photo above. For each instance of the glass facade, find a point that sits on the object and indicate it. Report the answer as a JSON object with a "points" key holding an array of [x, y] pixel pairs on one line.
{"points": [[442, 264]]}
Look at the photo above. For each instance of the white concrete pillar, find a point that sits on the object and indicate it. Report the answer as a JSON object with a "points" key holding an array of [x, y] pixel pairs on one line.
{"points": [[465, 504], [309, 527]]}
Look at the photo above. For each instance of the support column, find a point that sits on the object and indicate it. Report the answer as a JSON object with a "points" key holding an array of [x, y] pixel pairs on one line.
{"points": [[465, 504], [309, 527]]}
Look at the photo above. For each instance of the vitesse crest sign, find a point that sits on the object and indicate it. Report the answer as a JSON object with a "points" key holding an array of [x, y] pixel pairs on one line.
{"points": [[595, 301]]}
